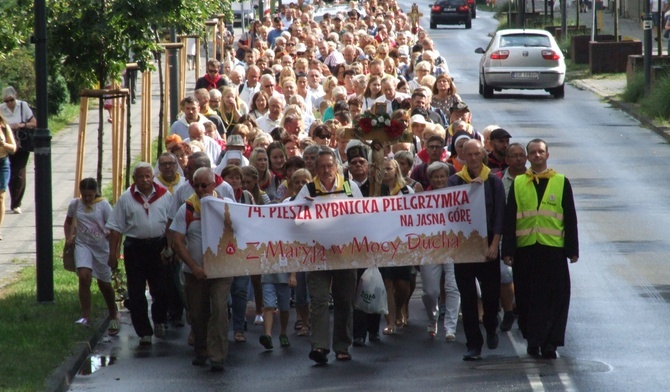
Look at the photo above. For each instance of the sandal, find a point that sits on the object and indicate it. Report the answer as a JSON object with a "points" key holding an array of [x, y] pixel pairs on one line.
{"points": [[114, 327], [432, 329], [305, 331], [298, 325], [343, 356], [319, 356], [240, 338], [82, 321], [389, 331]]}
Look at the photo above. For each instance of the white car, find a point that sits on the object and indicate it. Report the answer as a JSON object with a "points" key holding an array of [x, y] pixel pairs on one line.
{"points": [[522, 59]]}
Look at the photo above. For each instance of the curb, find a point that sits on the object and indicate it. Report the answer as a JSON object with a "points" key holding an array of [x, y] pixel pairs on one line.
{"points": [[628, 108], [59, 380]]}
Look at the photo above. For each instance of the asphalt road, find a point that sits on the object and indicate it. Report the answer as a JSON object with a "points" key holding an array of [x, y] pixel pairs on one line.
{"points": [[616, 339]]}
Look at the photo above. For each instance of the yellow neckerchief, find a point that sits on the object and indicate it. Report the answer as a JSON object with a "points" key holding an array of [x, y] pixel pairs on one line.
{"points": [[194, 200], [484, 174], [89, 207], [531, 175], [169, 185], [396, 189], [339, 182]]}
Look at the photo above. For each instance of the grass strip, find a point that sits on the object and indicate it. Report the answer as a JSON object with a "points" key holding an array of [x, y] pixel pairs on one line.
{"points": [[35, 338]]}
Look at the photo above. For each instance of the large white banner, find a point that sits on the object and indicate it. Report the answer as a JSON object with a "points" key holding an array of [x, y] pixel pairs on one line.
{"points": [[447, 225]]}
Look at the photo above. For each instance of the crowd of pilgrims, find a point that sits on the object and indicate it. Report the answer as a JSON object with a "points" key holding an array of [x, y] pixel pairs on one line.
{"points": [[270, 116]]}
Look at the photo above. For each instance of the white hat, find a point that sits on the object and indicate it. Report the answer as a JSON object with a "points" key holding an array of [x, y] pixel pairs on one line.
{"points": [[418, 119], [403, 51], [300, 48]]}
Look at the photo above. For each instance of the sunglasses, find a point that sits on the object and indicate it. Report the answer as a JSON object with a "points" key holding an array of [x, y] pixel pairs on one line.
{"points": [[202, 185], [290, 44], [212, 70], [9, 100]]}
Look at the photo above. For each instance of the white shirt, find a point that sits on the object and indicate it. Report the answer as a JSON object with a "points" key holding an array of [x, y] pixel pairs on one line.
{"points": [[186, 190], [266, 124], [212, 148], [193, 233], [15, 116], [130, 218], [247, 92]]}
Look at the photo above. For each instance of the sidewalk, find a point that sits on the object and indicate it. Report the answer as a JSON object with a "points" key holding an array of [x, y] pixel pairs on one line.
{"points": [[17, 250]]}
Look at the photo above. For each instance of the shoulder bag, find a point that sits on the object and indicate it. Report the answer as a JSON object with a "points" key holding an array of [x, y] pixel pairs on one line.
{"points": [[24, 136], [68, 251]]}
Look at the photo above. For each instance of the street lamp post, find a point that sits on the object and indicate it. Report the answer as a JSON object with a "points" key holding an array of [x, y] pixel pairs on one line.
{"points": [[42, 138]]}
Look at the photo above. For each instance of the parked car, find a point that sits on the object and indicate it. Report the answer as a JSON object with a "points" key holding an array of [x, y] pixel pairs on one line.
{"points": [[450, 12], [522, 59]]}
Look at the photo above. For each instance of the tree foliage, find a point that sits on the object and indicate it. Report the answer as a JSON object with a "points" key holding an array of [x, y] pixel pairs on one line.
{"points": [[94, 37], [17, 25]]}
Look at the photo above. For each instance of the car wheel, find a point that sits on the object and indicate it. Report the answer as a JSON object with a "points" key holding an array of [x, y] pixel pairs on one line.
{"points": [[487, 91], [474, 12], [559, 92], [468, 23], [433, 26], [481, 88]]}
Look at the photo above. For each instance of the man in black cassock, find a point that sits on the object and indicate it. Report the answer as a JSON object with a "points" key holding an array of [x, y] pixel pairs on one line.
{"points": [[537, 243]]}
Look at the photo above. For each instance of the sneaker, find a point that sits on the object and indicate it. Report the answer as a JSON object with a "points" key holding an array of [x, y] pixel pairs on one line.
{"points": [[145, 340], [17, 210], [258, 320], [450, 337], [507, 322], [217, 366], [473, 355], [266, 341], [283, 341], [159, 330]]}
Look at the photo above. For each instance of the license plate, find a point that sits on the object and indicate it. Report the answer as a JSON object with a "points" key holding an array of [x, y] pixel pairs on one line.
{"points": [[525, 75], [450, 9]]}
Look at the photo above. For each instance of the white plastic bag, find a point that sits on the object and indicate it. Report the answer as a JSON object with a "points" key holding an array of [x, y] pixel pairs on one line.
{"points": [[371, 293]]}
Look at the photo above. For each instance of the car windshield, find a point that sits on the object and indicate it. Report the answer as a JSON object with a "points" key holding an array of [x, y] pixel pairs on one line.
{"points": [[451, 3], [524, 40]]}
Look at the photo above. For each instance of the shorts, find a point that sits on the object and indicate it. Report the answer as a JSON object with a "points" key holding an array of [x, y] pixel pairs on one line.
{"points": [[84, 257], [4, 173], [397, 273], [506, 276], [276, 295]]}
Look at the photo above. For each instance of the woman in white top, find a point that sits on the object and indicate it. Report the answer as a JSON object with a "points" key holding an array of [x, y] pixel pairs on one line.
{"points": [[7, 147], [92, 250], [20, 117]]}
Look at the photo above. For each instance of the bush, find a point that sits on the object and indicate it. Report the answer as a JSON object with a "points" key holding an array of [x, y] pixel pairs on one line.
{"points": [[657, 103], [18, 71], [635, 90], [57, 93]]}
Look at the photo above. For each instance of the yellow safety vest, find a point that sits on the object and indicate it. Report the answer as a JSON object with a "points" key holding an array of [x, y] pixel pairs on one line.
{"points": [[543, 225]]}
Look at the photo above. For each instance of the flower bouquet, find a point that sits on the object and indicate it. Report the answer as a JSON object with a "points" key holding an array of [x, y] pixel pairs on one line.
{"points": [[377, 125]]}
